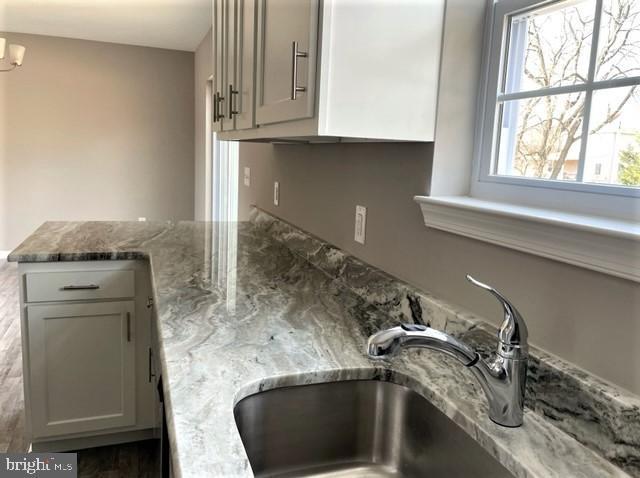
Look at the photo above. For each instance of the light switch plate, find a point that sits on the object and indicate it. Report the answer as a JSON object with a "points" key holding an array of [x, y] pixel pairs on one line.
{"points": [[361, 224], [276, 193], [247, 176]]}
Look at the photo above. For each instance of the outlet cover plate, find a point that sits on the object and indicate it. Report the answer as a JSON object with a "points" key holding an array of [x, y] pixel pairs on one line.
{"points": [[361, 224]]}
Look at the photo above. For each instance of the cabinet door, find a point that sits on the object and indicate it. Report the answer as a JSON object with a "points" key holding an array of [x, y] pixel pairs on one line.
{"points": [[82, 367], [219, 64], [243, 98], [227, 111], [234, 35], [285, 80]]}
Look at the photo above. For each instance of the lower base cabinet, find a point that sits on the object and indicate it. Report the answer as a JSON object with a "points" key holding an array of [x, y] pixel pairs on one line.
{"points": [[87, 354]]}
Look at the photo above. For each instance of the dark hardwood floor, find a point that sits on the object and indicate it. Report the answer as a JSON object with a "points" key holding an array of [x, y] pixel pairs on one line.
{"points": [[131, 460], [135, 460]]}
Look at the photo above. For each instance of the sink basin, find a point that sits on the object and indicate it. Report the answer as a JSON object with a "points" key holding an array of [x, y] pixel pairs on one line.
{"points": [[359, 428]]}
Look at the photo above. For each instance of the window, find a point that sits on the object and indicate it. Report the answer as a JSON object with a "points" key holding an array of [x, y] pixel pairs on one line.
{"points": [[562, 98], [556, 170]]}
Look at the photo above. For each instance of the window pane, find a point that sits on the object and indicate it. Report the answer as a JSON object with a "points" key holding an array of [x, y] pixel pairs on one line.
{"points": [[550, 46], [619, 44], [613, 146], [539, 137]]}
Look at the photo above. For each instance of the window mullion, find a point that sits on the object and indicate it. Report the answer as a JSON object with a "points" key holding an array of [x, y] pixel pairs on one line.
{"points": [[560, 90], [556, 90], [586, 114], [584, 135], [594, 42]]}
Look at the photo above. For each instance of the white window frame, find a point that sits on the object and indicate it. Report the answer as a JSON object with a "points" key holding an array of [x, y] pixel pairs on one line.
{"points": [[582, 198]]}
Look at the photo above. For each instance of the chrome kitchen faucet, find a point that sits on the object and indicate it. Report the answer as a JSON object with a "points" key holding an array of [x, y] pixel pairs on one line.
{"points": [[503, 378]]}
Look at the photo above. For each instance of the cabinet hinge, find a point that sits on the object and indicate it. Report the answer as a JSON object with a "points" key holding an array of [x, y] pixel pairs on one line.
{"points": [[149, 302]]}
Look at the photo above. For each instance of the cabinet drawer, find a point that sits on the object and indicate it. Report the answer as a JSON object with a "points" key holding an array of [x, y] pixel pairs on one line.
{"points": [[78, 285]]}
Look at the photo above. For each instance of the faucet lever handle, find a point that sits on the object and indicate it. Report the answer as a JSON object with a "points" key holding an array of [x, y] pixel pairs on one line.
{"points": [[513, 331]]}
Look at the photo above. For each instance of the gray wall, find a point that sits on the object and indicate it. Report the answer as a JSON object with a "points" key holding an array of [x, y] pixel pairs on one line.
{"points": [[586, 317], [203, 70], [93, 130]]}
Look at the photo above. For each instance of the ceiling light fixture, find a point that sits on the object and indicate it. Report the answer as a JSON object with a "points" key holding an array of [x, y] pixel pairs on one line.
{"points": [[16, 54]]}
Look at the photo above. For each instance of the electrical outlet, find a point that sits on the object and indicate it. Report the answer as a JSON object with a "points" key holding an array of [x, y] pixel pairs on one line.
{"points": [[276, 193], [247, 176], [361, 224]]}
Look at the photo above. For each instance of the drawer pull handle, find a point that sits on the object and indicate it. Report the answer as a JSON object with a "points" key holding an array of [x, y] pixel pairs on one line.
{"points": [[81, 287], [128, 327]]}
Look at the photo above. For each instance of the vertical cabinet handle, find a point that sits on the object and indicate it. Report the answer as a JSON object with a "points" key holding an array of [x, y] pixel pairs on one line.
{"points": [[151, 374], [128, 327], [230, 106], [217, 99], [216, 118], [295, 54]]}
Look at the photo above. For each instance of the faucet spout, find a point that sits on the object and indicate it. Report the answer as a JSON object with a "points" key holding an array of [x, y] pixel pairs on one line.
{"points": [[387, 343]]}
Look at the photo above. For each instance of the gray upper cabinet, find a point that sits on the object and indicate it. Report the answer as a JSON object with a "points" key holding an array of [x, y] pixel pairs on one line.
{"points": [[228, 77], [244, 96], [234, 24], [219, 65], [286, 46], [327, 70]]}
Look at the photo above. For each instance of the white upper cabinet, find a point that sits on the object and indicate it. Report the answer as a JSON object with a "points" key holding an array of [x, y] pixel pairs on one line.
{"points": [[328, 70]]}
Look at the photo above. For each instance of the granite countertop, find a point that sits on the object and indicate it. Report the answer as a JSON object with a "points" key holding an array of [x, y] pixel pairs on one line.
{"points": [[239, 312]]}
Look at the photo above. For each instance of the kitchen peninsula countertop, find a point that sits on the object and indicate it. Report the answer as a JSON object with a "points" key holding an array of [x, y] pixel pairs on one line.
{"points": [[238, 312]]}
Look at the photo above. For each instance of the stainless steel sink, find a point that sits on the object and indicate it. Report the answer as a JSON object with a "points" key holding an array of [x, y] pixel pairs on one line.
{"points": [[356, 429]]}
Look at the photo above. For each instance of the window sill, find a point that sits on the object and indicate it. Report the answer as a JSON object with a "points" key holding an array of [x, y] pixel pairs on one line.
{"points": [[606, 245]]}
